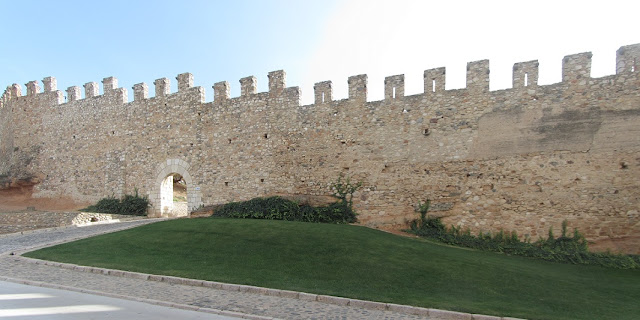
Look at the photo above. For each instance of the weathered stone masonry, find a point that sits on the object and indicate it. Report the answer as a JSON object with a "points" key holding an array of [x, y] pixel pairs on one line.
{"points": [[520, 159]]}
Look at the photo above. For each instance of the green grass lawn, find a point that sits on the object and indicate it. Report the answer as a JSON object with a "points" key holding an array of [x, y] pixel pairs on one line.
{"points": [[358, 262]]}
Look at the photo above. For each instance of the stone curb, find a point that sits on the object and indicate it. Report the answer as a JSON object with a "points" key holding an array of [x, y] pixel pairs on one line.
{"points": [[340, 301], [149, 301]]}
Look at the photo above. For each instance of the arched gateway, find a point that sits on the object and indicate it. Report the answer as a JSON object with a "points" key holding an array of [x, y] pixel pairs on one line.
{"points": [[162, 195]]}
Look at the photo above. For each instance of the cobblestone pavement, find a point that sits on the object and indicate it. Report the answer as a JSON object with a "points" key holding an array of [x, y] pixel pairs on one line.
{"points": [[35, 238], [248, 305]]}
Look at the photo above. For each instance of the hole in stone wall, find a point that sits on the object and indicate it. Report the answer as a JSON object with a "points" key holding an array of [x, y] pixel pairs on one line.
{"points": [[433, 85], [226, 183], [174, 196], [229, 141], [633, 66], [426, 132], [266, 136], [261, 180], [393, 94], [526, 79], [322, 98]]}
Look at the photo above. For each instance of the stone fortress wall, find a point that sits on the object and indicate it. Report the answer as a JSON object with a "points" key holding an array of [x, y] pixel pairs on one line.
{"points": [[522, 159]]}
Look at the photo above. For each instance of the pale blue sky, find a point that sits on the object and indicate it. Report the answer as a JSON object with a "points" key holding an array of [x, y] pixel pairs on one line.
{"points": [[140, 41]]}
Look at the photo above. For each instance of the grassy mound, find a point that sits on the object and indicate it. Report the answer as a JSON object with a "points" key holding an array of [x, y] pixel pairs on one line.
{"points": [[358, 262]]}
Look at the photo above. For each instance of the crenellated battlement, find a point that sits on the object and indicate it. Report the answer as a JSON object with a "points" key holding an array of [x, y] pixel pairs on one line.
{"points": [[434, 81], [358, 87], [478, 76], [109, 84], [90, 90], [50, 84], [73, 94], [576, 68], [394, 87], [163, 87], [140, 91], [221, 92], [323, 92], [33, 88], [185, 81], [525, 74], [248, 86], [628, 59], [576, 71], [277, 81]]}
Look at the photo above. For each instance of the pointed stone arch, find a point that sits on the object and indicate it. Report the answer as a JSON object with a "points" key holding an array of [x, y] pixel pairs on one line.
{"points": [[165, 170]]}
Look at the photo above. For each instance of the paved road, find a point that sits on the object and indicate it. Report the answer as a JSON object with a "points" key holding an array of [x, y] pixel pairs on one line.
{"points": [[230, 303], [29, 302]]}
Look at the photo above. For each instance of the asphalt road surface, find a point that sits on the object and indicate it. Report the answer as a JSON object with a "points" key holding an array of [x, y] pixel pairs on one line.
{"points": [[19, 301]]}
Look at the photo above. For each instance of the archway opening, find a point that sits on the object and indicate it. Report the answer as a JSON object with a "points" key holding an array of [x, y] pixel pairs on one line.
{"points": [[174, 196]]}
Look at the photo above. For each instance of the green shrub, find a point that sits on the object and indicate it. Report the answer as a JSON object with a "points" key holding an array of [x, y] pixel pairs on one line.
{"points": [[344, 189], [277, 208], [562, 249], [106, 205], [129, 205], [134, 204]]}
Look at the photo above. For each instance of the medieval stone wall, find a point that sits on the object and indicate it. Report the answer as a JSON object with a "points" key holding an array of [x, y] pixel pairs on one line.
{"points": [[519, 159]]}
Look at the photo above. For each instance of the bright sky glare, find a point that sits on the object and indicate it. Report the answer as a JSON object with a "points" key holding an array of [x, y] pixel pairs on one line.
{"points": [[313, 41]]}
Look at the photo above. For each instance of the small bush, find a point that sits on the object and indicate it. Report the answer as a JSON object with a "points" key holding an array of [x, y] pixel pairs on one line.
{"points": [[129, 205], [106, 205], [343, 188], [277, 208], [562, 249]]}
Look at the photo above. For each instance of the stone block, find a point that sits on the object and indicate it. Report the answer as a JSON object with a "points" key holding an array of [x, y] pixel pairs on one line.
{"points": [[484, 317], [402, 308], [212, 284], [288, 294], [307, 296], [372, 305], [230, 287], [449, 315], [333, 300]]}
